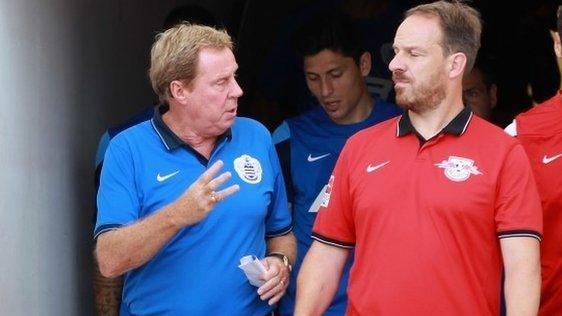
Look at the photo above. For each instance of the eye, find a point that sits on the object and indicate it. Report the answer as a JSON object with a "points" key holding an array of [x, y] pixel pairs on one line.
{"points": [[336, 74], [311, 77], [470, 94]]}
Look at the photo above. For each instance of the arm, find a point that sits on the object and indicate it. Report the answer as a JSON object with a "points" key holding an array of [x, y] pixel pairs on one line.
{"points": [[128, 247], [285, 244], [107, 293], [277, 275], [319, 278], [521, 257]]}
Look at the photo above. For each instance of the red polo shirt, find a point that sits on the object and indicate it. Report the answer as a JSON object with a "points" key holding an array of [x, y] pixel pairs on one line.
{"points": [[540, 132], [425, 216]]}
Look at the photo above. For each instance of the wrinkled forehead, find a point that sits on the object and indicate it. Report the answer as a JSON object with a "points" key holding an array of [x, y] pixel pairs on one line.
{"points": [[418, 30]]}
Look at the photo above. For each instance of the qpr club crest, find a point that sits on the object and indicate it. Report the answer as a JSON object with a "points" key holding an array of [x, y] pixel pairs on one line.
{"points": [[458, 168], [248, 169]]}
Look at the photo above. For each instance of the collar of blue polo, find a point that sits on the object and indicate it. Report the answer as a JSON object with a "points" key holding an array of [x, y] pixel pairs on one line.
{"points": [[171, 140], [457, 126]]}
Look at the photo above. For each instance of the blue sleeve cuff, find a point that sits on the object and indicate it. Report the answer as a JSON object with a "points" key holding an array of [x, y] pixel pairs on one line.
{"points": [[280, 232], [105, 228]]}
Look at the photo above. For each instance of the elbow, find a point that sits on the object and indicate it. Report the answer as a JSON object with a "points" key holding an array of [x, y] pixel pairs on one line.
{"points": [[108, 271], [108, 266]]}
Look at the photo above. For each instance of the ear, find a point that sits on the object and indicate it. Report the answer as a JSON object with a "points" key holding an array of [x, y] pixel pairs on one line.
{"points": [[493, 93], [557, 46], [456, 65], [179, 90], [365, 64]]}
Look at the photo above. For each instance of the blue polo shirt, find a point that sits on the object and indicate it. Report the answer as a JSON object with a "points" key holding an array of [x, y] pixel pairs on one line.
{"points": [[145, 115], [146, 168], [309, 146]]}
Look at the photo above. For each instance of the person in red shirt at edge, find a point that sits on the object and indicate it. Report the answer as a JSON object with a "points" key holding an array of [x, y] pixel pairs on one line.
{"points": [[433, 201], [540, 132]]}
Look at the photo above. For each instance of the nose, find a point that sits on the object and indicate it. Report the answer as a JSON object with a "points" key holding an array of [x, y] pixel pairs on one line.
{"points": [[396, 64], [327, 87], [236, 91]]}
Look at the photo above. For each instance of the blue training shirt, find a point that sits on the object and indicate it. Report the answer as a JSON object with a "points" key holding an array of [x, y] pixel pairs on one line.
{"points": [[147, 167], [308, 146]]}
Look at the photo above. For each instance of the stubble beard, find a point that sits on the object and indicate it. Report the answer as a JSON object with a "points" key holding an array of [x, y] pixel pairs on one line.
{"points": [[423, 98]]}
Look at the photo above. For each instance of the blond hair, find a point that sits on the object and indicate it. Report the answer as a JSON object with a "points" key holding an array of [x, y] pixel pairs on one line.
{"points": [[460, 24], [175, 52]]}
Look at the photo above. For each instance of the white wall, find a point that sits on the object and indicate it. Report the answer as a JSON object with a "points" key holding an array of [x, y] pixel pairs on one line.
{"points": [[68, 69]]}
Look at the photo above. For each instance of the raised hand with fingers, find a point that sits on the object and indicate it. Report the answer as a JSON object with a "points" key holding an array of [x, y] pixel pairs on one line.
{"points": [[202, 196]]}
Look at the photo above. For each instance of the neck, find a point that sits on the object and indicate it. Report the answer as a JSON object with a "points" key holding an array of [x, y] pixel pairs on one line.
{"points": [[362, 111], [180, 125], [430, 122]]}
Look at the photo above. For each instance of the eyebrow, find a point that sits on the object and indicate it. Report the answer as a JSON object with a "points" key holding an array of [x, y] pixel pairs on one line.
{"points": [[408, 48], [227, 74], [335, 68]]}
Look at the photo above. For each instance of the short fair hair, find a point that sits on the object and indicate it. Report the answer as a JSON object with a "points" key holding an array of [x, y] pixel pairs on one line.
{"points": [[175, 54], [460, 25]]}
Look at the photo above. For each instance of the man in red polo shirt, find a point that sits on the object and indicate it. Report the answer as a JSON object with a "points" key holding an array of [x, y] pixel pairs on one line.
{"points": [[540, 132], [434, 201]]}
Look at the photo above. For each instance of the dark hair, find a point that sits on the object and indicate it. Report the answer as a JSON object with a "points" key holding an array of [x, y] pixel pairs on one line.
{"points": [[194, 14], [460, 25], [333, 31]]}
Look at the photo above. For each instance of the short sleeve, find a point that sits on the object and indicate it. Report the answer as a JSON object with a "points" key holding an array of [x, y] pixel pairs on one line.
{"points": [[334, 223], [518, 209], [282, 140], [278, 221], [118, 202]]}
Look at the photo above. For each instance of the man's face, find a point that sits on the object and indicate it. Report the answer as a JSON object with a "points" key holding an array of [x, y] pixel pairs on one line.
{"points": [[213, 93], [338, 84], [418, 68], [477, 96]]}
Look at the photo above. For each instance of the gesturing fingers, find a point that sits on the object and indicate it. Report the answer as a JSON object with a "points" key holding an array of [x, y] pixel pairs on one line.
{"points": [[208, 175], [222, 194], [202, 195], [216, 182], [209, 185]]}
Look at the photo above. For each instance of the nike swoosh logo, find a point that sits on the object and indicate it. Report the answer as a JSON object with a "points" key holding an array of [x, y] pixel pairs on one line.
{"points": [[312, 159], [160, 178], [373, 168], [547, 160]]}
